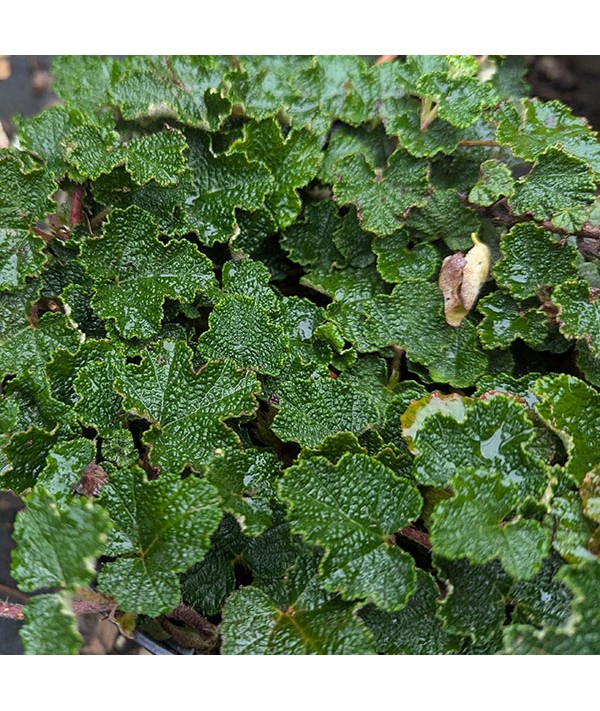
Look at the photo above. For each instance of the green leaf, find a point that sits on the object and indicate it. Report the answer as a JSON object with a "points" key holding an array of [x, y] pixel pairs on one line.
{"points": [[246, 485], [572, 530], [353, 509], [310, 241], [373, 144], [221, 184], [160, 528], [533, 258], [45, 135], [580, 634], [557, 185], [24, 193], [397, 262], [83, 80], [460, 100], [531, 127], [134, 272], [444, 217], [26, 454], [505, 320], [570, 408], [491, 433], [187, 409], [57, 541], [285, 610], [495, 181], [50, 626], [415, 629], [66, 462], [475, 603], [590, 495], [242, 330], [21, 256], [310, 410], [476, 523], [579, 313], [292, 162], [381, 196]]}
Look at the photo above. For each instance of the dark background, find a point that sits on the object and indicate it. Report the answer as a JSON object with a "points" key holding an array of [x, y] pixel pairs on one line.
{"points": [[26, 88]]}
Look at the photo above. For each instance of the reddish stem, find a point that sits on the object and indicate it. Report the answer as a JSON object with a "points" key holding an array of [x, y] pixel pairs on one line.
{"points": [[417, 536], [14, 611], [77, 206]]}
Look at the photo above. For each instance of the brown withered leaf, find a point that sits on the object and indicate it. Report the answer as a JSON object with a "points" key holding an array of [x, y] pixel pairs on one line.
{"points": [[449, 281], [92, 480]]}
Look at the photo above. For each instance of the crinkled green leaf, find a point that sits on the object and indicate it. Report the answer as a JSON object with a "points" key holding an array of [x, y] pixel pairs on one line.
{"points": [[505, 320], [401, 117], [531, 259], [490, 433], [570, 408], [57, 541], [477, 523], [160, 528], [581, 632], [475, 603], [187, 409], [579, 313], [83, 80], [374, 144], [66, 462], [590, 495], [206, 585], [573, 530], [221, 184], [241, 329], [24, 194], [286, 611], [310, 410], [245, 481], [352, 509], [26, 455], [50, 626], [460, 100], [531, 127], [134, 272], [495, 181], [557, 185], [381, 196], [444, 217], [543, 600], [310, 241], [415, 629], [21, 256], [292, 162], [397, 261]]}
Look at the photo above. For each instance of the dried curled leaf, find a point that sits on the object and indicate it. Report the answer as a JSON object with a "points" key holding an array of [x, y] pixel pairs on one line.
{"points": [[461, 278]]}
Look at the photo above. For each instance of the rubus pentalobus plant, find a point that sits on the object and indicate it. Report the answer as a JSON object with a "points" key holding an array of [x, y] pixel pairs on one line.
{"points": [[300, 355]]}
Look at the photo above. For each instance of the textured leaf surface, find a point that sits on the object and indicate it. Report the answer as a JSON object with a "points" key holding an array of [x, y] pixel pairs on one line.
{"points": [[570, 408], [531, 259], [352, 510], [531, 127], [222, 184], [161, 528], [475, 523], [495, 181], [134, 272], [50, 626], [24, 194], [187, 409], [57, 541], [292, 161], [557, 188], [397, 261], [580, 634], [20, 257], [415, 629], [444, 217], [505, 320], [579, 313], [491, 434], [381, 197]]}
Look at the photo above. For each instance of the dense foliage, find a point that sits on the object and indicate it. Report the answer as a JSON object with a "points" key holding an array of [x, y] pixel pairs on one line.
{"points": [[300, 355]]}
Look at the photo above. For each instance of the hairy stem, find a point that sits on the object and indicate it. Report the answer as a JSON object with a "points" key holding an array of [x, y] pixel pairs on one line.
{"points": [[77, 206]]}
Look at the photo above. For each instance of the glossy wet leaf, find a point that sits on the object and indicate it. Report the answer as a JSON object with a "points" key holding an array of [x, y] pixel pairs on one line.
{"points": [[579, 313], [50, 626], [352, 509], [478, 523], [505, 320], [58, 541], [160, 528], [186, 409], [134, 272], [495, 181], [20, 257], [24, 193]]}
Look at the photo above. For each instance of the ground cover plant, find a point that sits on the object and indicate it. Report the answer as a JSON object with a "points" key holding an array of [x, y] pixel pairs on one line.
{"points": [[300, 355]]}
